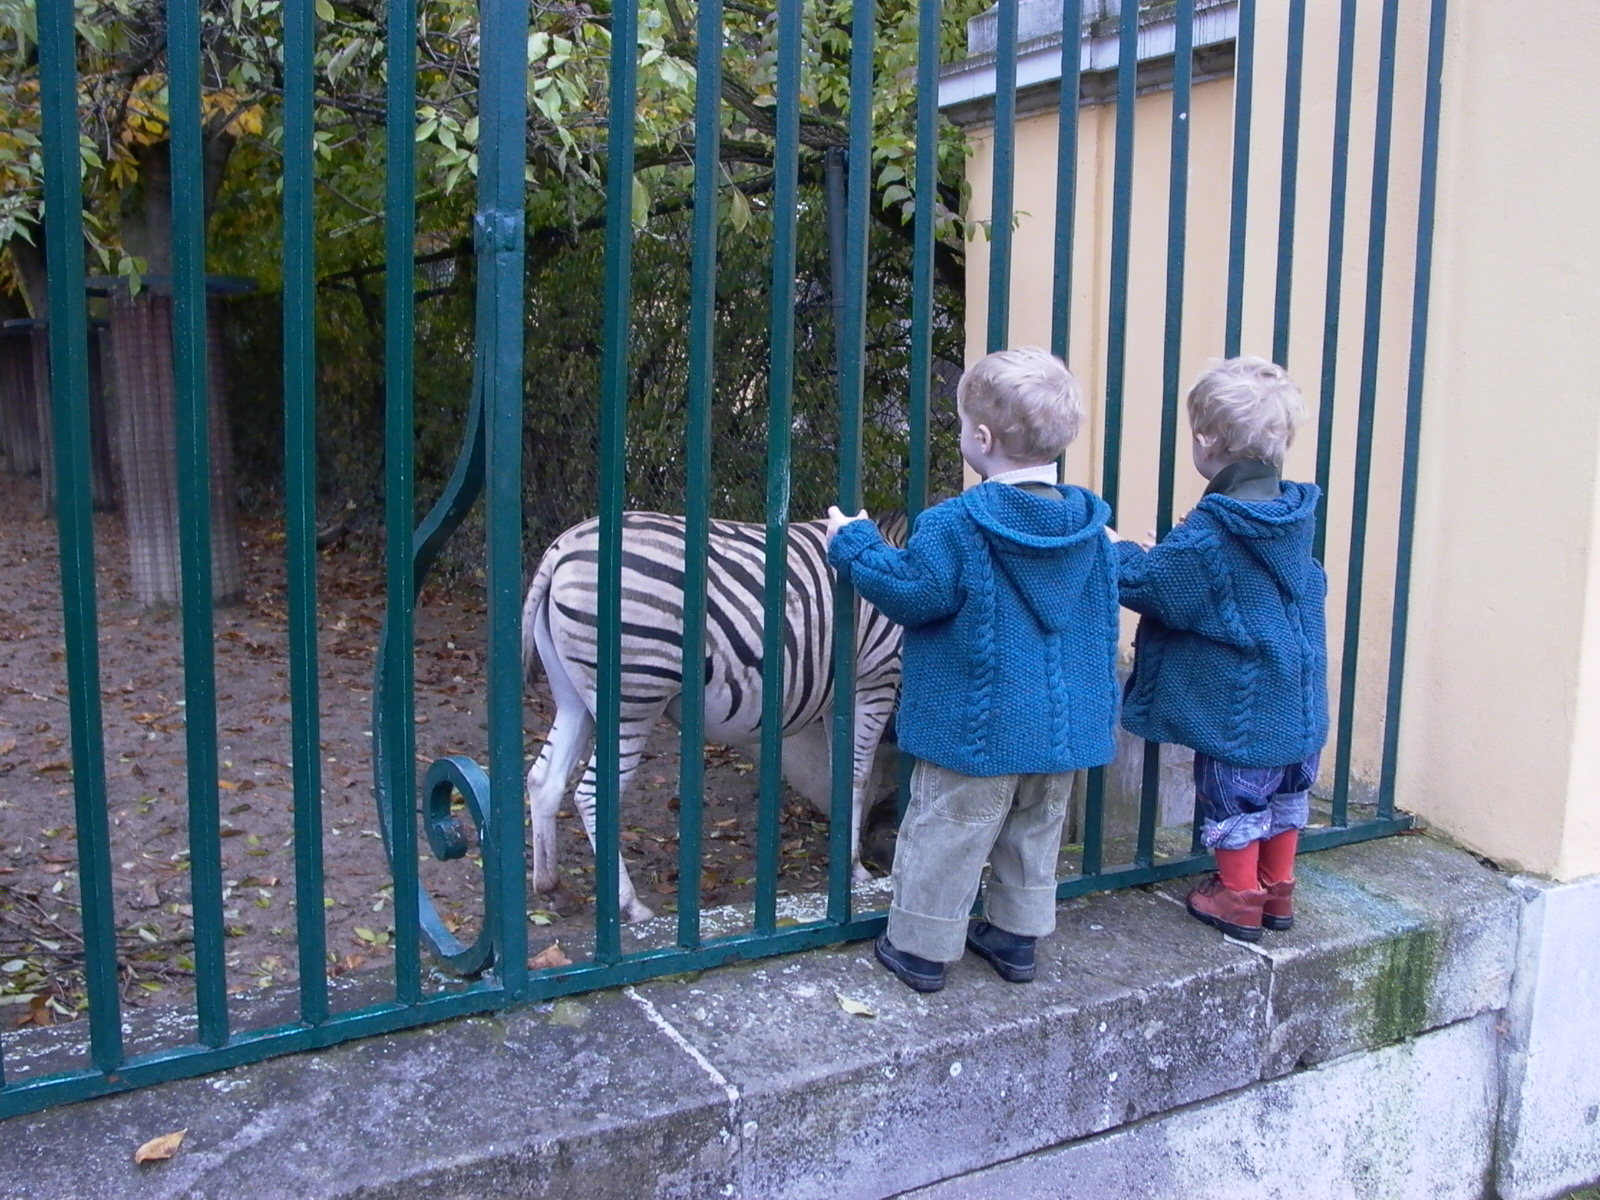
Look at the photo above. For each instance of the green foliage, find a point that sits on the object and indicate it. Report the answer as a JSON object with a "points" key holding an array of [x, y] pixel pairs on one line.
{"points": [[562, 368], [123, 106]]}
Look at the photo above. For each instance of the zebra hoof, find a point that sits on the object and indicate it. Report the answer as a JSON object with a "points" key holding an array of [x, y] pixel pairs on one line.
{"points": [[634, 912]]}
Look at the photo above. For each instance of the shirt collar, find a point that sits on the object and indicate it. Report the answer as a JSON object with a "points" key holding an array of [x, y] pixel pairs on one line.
{"points": [[1044, 473], [1248, 479]]}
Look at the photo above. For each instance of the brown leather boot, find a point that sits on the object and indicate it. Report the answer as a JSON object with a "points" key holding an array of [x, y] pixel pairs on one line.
{"points": [[1278, 911], [1237, 914]]}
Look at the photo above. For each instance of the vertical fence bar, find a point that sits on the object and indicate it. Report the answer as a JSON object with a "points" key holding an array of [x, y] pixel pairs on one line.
{"points": [[697, 497], [194, 514], [1004, 177], [300, 498], [1420, 295], [69, 392], [1372, 329], [929, 13], [1288, 180], [1333, 293], [920, 367], [1121, 238], [1116, 354], [1177, 250], [400, 218], [1144, 854], [1244, 62], [852, 376], [1066, 176], [504, 118], [780, 390], [613, 428], [1172, 355]]}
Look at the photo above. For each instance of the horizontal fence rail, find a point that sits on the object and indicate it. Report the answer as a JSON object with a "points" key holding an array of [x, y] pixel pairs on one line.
{"points": [[691, 616]]}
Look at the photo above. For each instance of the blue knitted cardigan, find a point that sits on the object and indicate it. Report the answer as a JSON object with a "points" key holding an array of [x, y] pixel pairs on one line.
{"points": [[1009, 602], [1231, 655]]}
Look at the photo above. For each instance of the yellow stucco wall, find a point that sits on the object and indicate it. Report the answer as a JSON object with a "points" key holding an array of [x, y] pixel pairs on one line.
{"points": [[1502, 730], [1501, 721]]}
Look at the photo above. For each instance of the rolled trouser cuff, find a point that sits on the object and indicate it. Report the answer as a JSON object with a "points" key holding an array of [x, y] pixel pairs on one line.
{"points": [[1290, 810], [1024, 911], [937, 939], [1235, 832]]}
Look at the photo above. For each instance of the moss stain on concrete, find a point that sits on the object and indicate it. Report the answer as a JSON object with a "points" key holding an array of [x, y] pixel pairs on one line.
{"points": [[1400, 988]]}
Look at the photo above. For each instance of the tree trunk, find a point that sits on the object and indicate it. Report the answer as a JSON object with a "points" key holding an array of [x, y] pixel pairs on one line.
{"points": [[146, 443], [100, 473], [147, 429], [19, 419]]}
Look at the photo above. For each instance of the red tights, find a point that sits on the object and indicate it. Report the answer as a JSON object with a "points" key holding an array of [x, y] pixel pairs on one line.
{"points": [[1259, 863]]}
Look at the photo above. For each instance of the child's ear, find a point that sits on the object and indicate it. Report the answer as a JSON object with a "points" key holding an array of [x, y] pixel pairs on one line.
{"points": [[985, 438]]}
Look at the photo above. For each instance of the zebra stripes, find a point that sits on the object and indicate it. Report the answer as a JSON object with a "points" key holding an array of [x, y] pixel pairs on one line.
{"points": [[560, 626]]}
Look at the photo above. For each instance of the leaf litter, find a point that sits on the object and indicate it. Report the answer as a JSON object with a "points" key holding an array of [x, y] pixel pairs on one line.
{"points": [[144, 732]]}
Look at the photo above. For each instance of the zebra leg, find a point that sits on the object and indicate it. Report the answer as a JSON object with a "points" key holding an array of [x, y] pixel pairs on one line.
{"points": [[873, 706], [571, 734], [569, 739], [631, 753]]}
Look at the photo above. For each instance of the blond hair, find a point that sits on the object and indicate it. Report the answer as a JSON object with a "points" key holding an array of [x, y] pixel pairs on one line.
{"points": [[1028, 399], [1247, 408]]}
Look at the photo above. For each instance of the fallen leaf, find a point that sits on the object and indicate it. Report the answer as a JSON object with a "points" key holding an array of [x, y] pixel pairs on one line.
{"points": [[7, 746], [551, 956], [160, 1149], [854, 1007], [38, 1011]]}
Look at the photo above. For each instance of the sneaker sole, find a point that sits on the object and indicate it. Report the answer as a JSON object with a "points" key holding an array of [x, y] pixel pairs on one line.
{"points": [[917, 983], [1006, 971], [1277, 924], [1245, 933]]}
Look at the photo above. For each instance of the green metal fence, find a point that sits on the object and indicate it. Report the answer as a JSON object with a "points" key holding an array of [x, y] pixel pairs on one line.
{"points": [[492, 971]]}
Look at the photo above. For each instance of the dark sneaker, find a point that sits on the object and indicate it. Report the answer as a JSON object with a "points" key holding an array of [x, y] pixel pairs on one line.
{"points": [[1237, 914], [1278, 911], [1010, 954], [918, 974]]}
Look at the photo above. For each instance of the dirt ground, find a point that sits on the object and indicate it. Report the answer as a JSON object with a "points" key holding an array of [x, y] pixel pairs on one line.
{"points": [[141, 663]]}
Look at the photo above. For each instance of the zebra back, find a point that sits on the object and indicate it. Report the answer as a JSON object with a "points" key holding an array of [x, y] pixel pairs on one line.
{"points": [[565, 591]]}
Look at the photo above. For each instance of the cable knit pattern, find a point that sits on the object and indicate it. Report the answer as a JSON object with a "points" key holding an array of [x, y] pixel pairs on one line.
{"points": [[1231, 655], [1009, 601]]}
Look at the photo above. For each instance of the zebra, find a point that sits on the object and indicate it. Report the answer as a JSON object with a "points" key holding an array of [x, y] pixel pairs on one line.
{"points": [[559, 626]]}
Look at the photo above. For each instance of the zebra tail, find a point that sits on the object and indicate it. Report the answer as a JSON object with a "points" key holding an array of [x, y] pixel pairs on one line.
{"points": [[533, 609]]}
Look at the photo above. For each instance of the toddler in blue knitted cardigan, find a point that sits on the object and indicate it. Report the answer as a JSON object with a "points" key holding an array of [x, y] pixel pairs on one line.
{"points": [[1008, 595], [1231, 654]]}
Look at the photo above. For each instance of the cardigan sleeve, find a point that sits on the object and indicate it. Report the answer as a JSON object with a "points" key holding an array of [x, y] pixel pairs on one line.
{"points": [[912, 586], [1170, 582]]}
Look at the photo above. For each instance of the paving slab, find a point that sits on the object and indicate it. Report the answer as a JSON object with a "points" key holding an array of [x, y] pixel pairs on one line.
{"points": [[1412, 1121], [587, 1095], [1391, 939]]}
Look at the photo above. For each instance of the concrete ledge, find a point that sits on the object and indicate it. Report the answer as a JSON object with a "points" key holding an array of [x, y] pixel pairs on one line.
{"points": [[1550, 1117], [1408, 1122], [753, 1081]]}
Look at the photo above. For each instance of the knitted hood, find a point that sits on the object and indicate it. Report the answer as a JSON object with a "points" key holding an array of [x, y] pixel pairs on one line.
{"points": [[1046, 548], [1277, 533]]}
